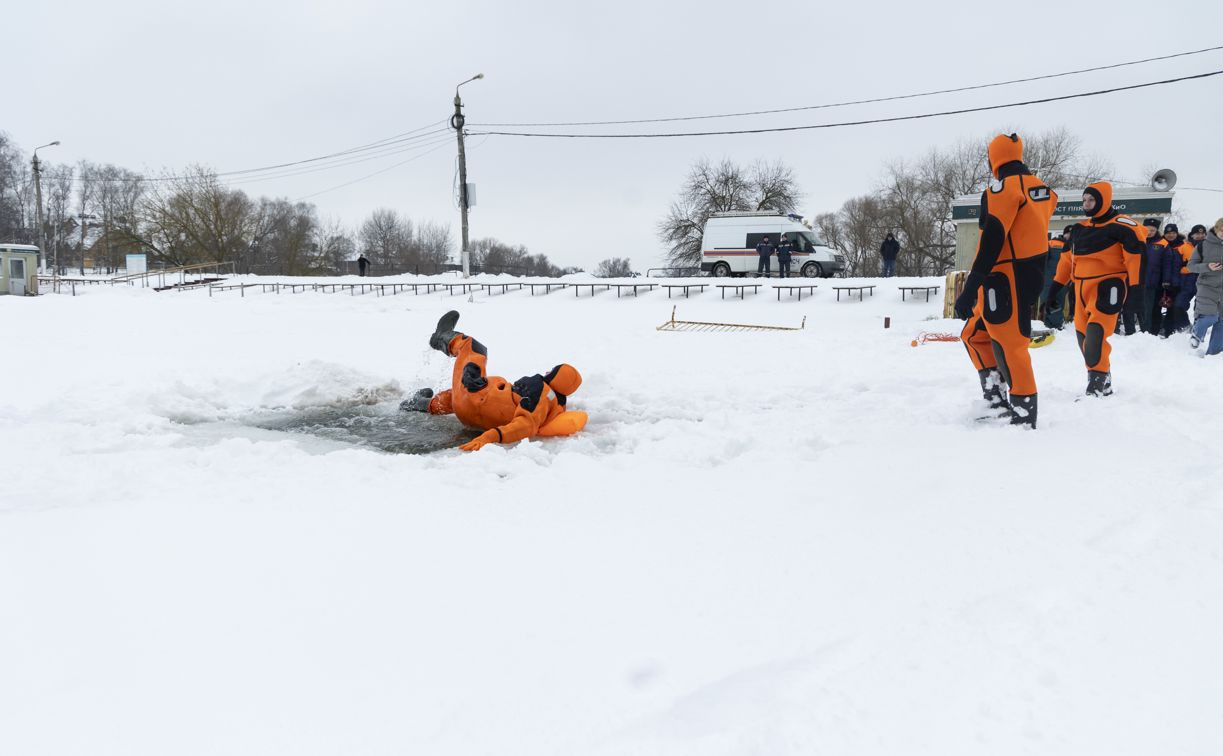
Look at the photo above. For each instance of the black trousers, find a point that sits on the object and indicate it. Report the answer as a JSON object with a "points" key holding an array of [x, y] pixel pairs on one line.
{"points": [[764, 265]]}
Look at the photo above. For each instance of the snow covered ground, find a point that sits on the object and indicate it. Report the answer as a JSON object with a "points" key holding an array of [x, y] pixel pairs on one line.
{"points": [[764, 543]]}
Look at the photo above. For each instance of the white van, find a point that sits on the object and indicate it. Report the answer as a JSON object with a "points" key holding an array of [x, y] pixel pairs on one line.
{"points": [[728, 247]]}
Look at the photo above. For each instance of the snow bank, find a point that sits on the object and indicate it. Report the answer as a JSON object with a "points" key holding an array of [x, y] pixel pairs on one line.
{"points": [[763, 543]]}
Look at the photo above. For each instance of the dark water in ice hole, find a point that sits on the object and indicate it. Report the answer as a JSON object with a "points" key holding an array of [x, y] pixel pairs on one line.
{"points": [[380, 426]]}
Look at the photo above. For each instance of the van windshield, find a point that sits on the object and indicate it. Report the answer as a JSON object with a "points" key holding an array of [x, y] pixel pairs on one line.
{"points": [[803, 240]]}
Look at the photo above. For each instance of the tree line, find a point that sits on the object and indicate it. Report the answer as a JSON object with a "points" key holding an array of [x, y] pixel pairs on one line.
{"points": [[99, 213], [912, 199]]}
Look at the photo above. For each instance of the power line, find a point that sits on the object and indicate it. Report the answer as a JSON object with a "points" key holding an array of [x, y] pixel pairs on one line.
{"points": [[389, 146], [372, 146], [841, 124], [375, 173], [345, 164], [863, 102]]}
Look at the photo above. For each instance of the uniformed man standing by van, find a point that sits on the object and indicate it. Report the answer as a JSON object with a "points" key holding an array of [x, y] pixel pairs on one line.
{"points": [[765, 250], [784, 248]]}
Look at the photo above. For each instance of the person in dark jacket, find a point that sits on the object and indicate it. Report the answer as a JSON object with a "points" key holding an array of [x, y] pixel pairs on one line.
{"points": [[1057, 246], [1207, 263], [362, 264], [765, 250], [1164, 263], [1148, 299], [1189, 279], [784, 248], [1176, 255], [888, 252]]}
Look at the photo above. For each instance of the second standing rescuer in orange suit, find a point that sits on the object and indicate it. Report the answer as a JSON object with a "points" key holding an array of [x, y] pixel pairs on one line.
{"points": [[1106, 254], [1005, 281], [533, 405]]}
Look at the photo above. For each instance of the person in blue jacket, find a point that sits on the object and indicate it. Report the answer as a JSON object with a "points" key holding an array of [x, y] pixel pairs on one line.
{"points": [[1164, 263], [765, 250]]}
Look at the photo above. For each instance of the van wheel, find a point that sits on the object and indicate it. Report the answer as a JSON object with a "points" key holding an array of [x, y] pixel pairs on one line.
{"points": [[721, 270], [813, 270]]}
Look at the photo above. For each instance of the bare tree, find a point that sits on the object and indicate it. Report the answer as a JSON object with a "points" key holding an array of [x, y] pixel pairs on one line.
{"points": [[434, 244], [913, 200], [614, 267], [725, 186], [385, 237], [194, 218], [336, 245]]}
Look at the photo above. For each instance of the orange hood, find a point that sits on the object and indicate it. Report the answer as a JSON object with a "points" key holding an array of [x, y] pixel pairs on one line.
{"points": [[1103, 192], [1003, 149]]}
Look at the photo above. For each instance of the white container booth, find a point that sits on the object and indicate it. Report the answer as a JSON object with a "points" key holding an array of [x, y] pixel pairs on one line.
{"points": [[18, 269]]}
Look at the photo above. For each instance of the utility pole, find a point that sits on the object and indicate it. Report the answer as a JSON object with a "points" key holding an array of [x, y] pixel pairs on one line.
{"points": [[456, 123], [42, 236]]}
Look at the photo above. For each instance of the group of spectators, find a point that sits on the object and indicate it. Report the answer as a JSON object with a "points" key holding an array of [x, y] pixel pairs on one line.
{"points": [[1177, 272]]}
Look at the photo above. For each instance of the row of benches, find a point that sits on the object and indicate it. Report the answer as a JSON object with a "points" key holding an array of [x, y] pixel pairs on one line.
{"points": [[621, 288]]}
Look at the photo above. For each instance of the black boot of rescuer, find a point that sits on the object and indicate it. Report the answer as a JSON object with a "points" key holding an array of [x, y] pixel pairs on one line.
{"points": [[1023, 410], [993, 390], [442, 335], [1099, 383]]}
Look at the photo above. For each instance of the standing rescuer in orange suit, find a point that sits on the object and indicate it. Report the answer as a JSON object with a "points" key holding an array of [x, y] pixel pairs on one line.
{"points": [[534, 405], [1005, 281], [1105, 262]]}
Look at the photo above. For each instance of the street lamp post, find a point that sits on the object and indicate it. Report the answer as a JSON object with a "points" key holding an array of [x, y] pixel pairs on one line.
{"points": [[456, 122], [42, 236]]}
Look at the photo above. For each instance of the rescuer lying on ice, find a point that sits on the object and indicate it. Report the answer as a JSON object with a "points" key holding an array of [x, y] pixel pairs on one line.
{"points": [[533, 405], [1105, 265]]}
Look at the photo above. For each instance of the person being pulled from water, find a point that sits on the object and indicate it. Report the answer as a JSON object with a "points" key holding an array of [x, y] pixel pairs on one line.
{"points": [[533, 405]]}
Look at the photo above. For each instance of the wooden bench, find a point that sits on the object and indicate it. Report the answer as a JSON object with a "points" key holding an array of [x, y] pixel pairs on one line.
{"points": [[914, 289], [634, 287], [741, 287], [851, 289], [791, 288], [547, 287], [505, 287], [685, 287], [241, 287], [577, 287]]}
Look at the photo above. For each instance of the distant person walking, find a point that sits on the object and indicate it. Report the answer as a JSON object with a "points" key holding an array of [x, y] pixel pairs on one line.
{"points": [[784, 249], [888, 252], [1207, 263], [765, 250], [362, 264]]}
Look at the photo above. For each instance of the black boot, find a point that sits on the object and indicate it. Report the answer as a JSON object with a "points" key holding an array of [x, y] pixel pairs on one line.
{"points": [[1023, 410], [993, 390], [418, 403], [1099, 383], [442, 335]]}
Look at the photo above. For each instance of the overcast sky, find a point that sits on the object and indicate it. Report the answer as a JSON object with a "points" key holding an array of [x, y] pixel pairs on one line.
{"points": [[233, 85]]}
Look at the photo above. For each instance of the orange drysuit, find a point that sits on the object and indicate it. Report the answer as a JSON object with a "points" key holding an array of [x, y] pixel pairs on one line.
{"points": [[1105, 261], [1006, 279], [532, 406]]}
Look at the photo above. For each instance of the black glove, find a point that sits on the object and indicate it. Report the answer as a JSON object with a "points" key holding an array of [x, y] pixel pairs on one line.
{"points": [[1055, 319], [968, 298], [1133, 295], [418, 403]]}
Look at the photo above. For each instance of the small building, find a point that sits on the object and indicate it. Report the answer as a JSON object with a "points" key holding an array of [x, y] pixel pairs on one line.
{"points": [[18, 269], [1137, 203]]}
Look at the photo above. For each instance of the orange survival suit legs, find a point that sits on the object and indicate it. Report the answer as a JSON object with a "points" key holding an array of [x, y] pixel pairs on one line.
{"points": [[998, 333], [1099, 302]]}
